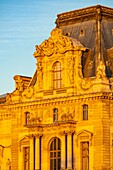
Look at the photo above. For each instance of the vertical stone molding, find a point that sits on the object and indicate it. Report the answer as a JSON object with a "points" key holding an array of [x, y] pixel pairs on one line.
{"points": [[37, 152], [63, 147], [69, 151], [32, 153]]}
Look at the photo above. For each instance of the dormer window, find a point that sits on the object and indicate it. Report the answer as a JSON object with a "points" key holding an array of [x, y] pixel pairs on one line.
{"points": [[68, 34], [57, 75], [82, 32], [85, 112], [55, 115]]}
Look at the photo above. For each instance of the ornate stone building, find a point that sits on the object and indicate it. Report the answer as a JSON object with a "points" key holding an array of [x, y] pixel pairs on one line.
{"points": [[62, 117]]}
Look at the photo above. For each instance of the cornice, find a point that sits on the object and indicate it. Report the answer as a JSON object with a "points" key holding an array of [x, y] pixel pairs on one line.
{"points": [[61, 100], [55, 124], [84, 13]]}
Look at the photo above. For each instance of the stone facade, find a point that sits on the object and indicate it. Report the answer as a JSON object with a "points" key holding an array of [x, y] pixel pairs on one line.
{"points": [[61, 118]]}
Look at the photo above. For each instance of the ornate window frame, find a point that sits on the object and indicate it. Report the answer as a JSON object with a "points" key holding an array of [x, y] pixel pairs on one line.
{"points": [[84, 136], [24, 143]]}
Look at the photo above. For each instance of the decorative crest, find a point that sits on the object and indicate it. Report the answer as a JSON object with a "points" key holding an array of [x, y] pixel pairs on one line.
{"points": [[57, 43]]}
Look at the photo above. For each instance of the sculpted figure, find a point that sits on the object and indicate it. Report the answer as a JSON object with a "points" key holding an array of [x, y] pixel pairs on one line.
{"points": [[100, 70], [40, 74], [8, 165], [71, 63]]}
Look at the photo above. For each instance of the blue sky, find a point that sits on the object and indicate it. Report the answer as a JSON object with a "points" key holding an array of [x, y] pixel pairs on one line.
{"points": [[23, 24]]}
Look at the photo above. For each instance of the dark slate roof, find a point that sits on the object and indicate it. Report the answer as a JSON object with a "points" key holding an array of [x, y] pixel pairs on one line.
{"points": [[96, 25], [3, 95]]}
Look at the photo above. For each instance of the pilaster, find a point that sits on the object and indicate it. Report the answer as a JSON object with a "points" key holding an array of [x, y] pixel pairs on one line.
{"points": [[69, 151], [37, 152], [32, 153], [63, 152]]}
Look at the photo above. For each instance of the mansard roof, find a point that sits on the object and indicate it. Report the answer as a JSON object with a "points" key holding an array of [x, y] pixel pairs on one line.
{"points": [[87, 13], [92, 27], [3, 98]]}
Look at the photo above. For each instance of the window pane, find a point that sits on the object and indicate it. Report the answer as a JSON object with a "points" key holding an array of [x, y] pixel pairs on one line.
{"points": [[58, 154], [85, 115], [51, 164], [85, 112], [58, 144], [54, 154], [54, 144], [57, 75], [59, 164], [51, 147], [51, 154], [54, 163]]}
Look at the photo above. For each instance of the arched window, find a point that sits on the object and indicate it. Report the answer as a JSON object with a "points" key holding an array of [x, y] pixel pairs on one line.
{"points": [[57, 75], [55, 154], [55, 114], [85, 112]]}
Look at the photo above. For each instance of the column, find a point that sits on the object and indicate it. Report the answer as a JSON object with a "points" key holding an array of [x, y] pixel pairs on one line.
{"points": [[63, 154], [32, 153], [37, 154], [69, 151]]}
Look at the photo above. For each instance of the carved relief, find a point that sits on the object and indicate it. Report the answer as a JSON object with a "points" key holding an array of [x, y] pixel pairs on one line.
{"points": [[35, 118], [8, 98], [40, 74], [47, 115], [85, 83], [28, 92], [8, 164], [68, 116], [71, 64], [38, 51], [57, 43]]}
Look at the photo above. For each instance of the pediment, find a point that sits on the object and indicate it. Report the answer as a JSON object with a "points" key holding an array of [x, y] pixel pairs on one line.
{"points": [[24, 139], [57, 43], [84, 133]]}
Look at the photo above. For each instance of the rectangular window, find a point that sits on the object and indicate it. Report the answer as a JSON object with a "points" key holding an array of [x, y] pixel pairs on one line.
{"points": [[26, 151], [27, 118], [57, 75], [85, 155], [85, 112]]}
